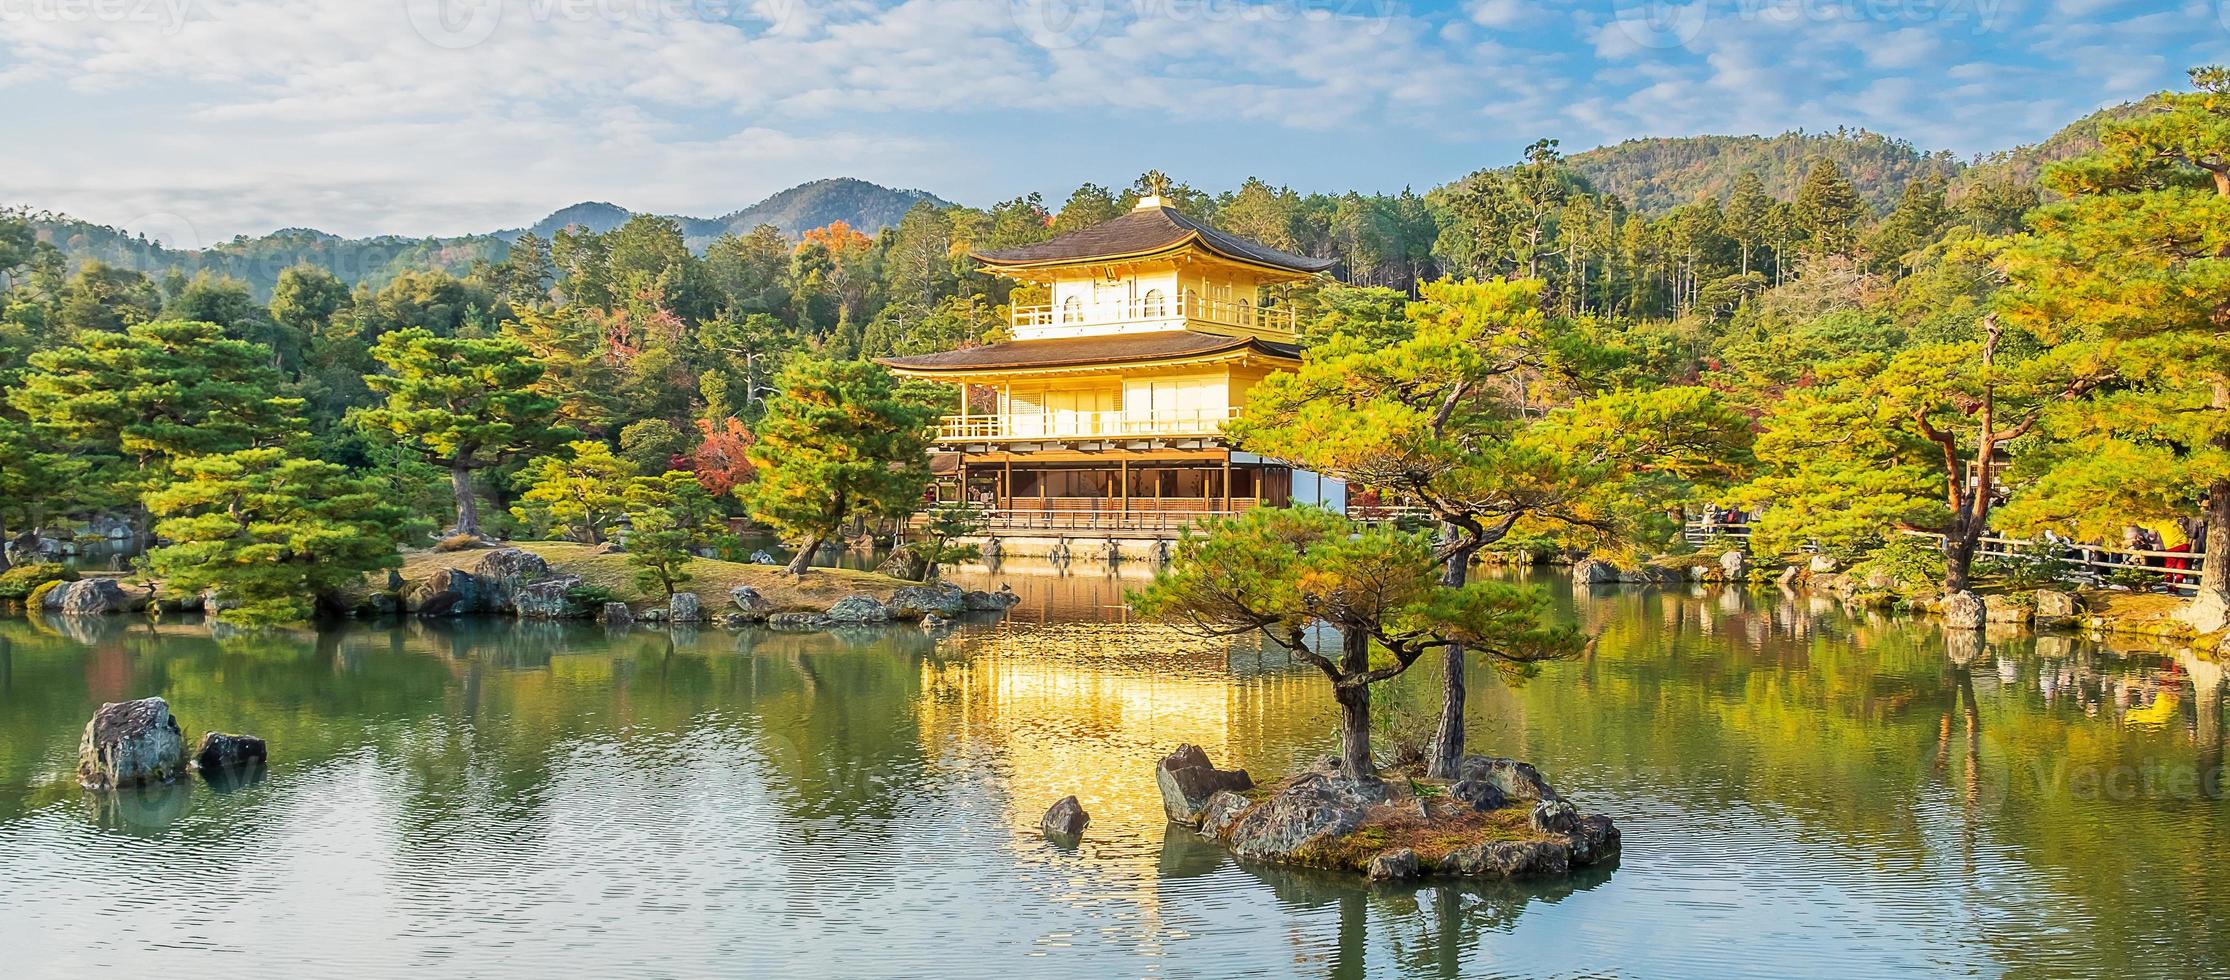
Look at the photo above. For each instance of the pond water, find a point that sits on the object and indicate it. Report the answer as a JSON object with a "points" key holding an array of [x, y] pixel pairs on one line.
{"points": [[1801, 791]]}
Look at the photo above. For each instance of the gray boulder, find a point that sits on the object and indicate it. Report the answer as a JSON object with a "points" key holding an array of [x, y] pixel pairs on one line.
{"points": [[1594, 571], [218, 751], [1735, 565], [130, 743], [2056, 608], [1310, 809], [858, 607], [1394, 865], [761, 557], [1000, 601], [615, 614], [2207, 612], [1824, 565], [1512, 779], [1223, 810], [920, 601], [1964, 610], [1554, 817], [504, 573], [1187, 781], [550, 599], [1066, 819], [754, 607], [1481, 795], [1509, 859], [2003, 609], [684, 607], [1593, 838], [904, 562], [91, 597], [448, 592]]}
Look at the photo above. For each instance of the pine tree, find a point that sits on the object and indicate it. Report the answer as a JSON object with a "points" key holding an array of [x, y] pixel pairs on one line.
{"points": [[2134, 257], [465, 405], [1827, 210], [581, 494], [840, 441], [269, 533]]}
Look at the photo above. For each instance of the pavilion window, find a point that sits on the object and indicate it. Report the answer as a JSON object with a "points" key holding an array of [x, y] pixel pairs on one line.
{"points": [[1156, 303]]}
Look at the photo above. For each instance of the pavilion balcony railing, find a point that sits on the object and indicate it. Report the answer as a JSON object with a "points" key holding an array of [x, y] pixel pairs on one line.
{"points": [[1172, 516], [1084, 425], [1149, 310]]}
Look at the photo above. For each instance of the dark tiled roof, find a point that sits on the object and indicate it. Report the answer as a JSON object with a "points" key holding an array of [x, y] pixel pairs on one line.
{"points": [[1145, 231], [1083, 351]]}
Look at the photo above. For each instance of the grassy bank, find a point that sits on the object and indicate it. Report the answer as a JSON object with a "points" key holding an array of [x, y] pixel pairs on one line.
{"points": [[710, 578]]}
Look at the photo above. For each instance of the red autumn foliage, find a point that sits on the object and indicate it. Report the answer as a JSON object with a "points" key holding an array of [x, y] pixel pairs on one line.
{"points": [[720, 461]]}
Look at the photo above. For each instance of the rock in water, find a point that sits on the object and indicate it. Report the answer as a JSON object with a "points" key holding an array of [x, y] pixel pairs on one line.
{"points": [[755, 607], [1964, 610], [219, 751], [1394, 865], [505, 573], [1825, 565], [685, 608], [2056, 608], [1223, 810], [1311, 808], [1187, 782], [549, 599], [1735, 565], [921, 601], [129, 743], [2206, 613], [615, 614], [448, 592], [761, 557], [2004, 609], [90, 597], [1594, 571], [1066, 819], [858, 608]]}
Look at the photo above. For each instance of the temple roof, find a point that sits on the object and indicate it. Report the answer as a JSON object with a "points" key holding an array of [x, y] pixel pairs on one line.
{"points": [[1161, 345], [1148, 231]]}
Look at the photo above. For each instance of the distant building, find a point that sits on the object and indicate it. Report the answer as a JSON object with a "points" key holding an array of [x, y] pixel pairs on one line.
{"points": [[1106, 410]]}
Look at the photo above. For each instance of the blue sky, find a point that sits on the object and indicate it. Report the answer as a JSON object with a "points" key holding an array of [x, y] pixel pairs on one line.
{"points": [[202, 119]]}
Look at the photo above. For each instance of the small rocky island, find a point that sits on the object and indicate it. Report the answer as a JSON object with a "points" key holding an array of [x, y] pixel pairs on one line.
{"points": [[1500, 819]]}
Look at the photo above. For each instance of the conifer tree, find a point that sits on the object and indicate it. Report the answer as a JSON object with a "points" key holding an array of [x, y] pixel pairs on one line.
{"points": [[464, 405], [580, 495], [840, 441], [2134, 258], [269, 533], [1449, 418], [1276, 571]]}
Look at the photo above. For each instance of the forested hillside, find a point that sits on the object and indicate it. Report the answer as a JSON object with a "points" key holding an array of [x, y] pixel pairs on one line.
{"points": [[1656, 175], [376, 261]]}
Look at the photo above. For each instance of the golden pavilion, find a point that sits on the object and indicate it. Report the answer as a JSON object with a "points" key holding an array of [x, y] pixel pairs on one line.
{"points": [[1105, 412]]}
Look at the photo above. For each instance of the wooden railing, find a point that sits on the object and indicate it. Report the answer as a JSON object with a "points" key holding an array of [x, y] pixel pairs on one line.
{"points": [[1165, 515], [1084, 425], [2089, 564], [1186, 307]]}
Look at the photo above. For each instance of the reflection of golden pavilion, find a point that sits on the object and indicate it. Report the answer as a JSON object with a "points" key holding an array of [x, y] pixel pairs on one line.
{"points": [[1106, 410]]}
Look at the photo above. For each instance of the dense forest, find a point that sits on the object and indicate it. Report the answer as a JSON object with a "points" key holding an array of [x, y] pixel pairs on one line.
{"points": [[1795, 277]]}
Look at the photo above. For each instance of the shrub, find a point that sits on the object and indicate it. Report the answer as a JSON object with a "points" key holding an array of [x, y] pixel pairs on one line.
{"points": [[37, 598], [2036, 566], [591, 596], [17, 582]]}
